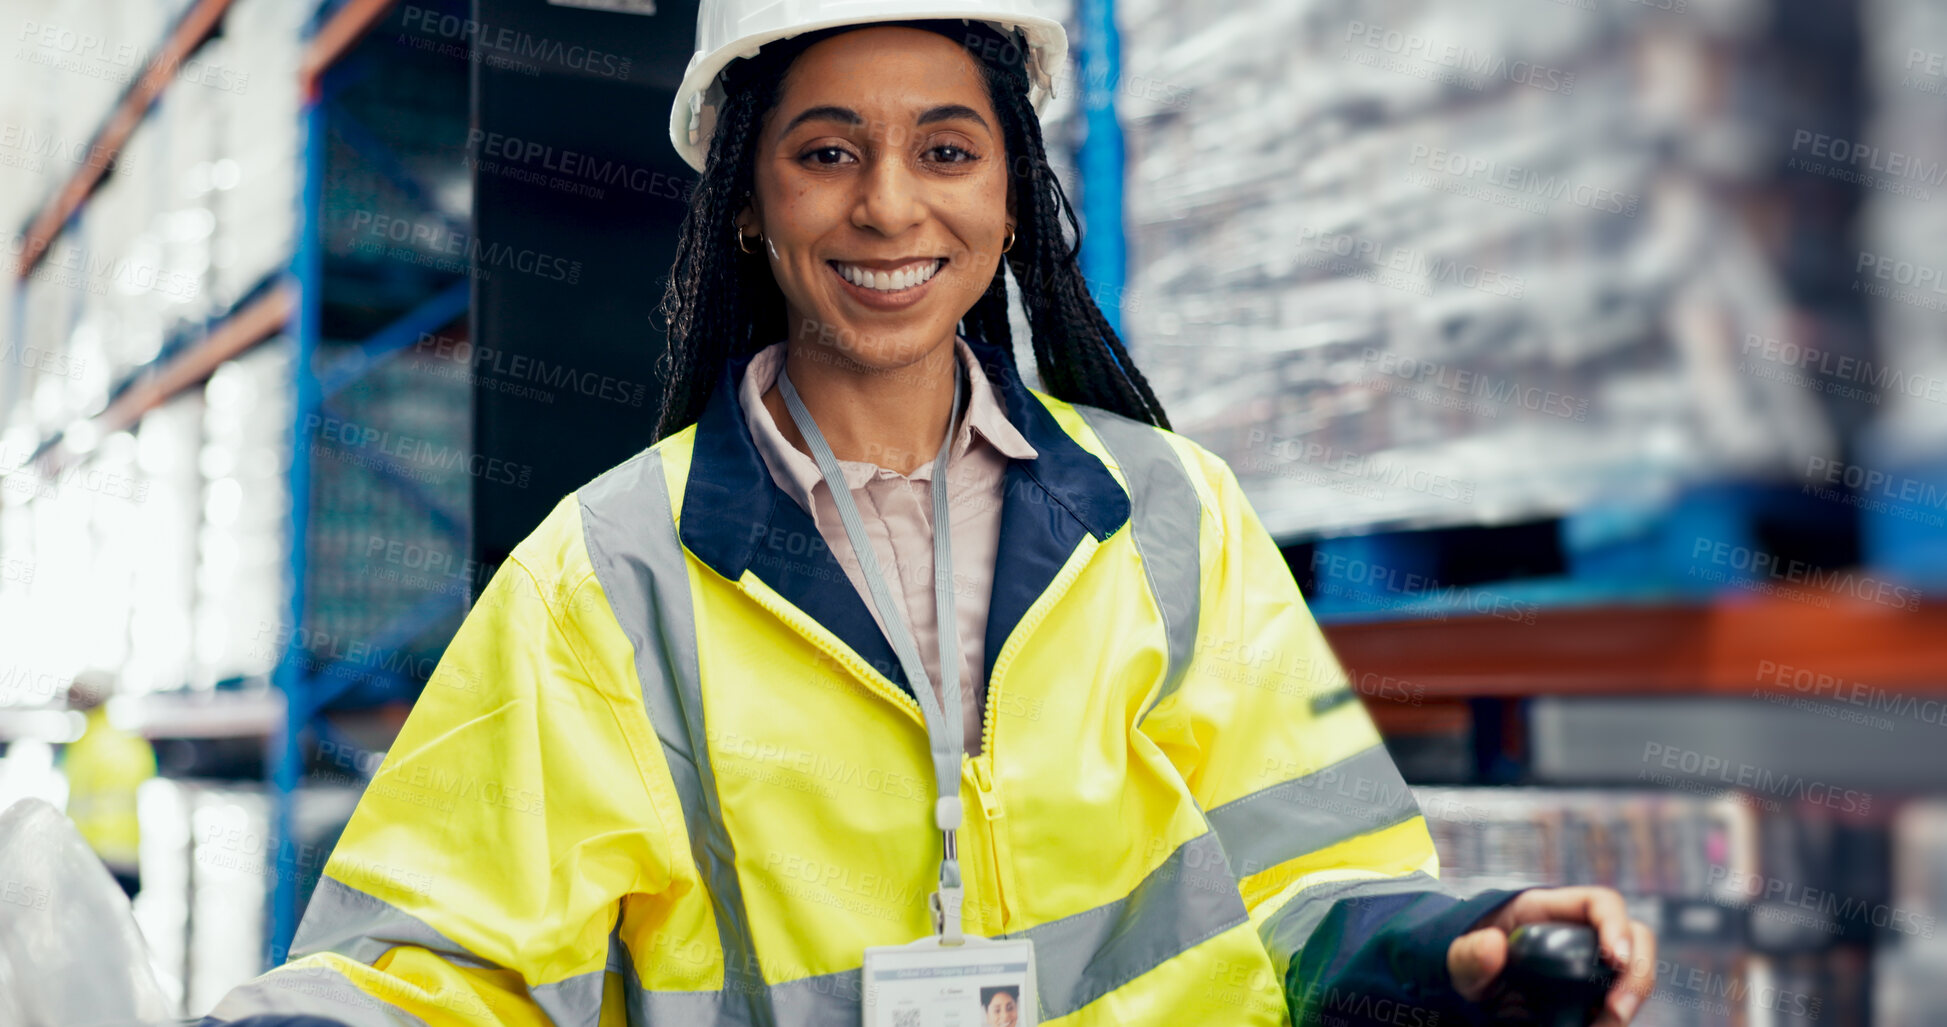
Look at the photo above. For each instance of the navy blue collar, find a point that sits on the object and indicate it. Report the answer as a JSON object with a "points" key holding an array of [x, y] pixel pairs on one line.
{"points": [[736, 518]]}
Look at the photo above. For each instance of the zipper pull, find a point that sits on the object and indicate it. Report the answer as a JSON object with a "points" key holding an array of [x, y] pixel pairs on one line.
{"points": [[990, 806]]}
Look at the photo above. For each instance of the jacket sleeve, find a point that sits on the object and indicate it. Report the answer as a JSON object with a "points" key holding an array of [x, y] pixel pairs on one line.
{"points": [[479, 879], [1333, 857]]}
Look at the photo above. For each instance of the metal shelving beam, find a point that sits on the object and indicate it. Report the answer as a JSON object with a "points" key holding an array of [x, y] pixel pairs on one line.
{"points": [[339, 33], [1720, 648], [286, 765], [151, 386], [191, 31], [1104, 256], [429, 316], [231, 337]]}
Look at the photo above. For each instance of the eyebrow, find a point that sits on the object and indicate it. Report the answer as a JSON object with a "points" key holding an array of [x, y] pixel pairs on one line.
{"points": [[848, 116]]}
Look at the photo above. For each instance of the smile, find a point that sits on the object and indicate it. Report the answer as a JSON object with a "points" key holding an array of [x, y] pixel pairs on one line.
{"points": [[909, 276]]}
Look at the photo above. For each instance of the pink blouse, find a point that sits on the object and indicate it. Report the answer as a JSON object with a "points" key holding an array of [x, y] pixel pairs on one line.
{"points": [[898, 511]]}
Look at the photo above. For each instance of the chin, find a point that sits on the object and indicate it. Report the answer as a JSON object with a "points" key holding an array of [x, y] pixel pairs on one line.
{"points": [[880, 347]]}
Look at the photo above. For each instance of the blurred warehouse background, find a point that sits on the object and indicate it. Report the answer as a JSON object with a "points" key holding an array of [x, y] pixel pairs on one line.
{"points": [[1589, 358]]}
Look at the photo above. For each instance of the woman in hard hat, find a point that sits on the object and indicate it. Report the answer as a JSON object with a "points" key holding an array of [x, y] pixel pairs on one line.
{"points": [[881, 680]]}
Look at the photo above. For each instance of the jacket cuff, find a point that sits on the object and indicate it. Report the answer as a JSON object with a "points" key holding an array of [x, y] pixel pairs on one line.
{"points": [[1426, 955], [1383, 960]]}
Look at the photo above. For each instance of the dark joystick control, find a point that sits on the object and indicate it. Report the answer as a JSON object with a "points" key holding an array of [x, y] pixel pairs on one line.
{"points": [[1558, 973]]}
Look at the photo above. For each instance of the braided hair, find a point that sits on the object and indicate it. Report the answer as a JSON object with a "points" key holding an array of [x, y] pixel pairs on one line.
{"points": [[722, 304]]}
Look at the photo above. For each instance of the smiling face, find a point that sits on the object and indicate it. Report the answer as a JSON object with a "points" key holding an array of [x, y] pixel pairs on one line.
{"points": [[881, 192], [1002, 1010]]}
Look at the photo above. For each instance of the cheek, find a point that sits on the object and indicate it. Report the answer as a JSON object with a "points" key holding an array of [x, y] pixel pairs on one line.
{"points": [[799, 211]]}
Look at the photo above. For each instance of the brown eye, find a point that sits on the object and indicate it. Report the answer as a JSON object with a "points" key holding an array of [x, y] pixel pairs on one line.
{"points": [[837, 154], [961, 155]]}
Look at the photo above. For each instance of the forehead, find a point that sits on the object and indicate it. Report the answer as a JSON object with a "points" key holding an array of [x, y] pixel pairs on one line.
{"points": [[885, 68]]}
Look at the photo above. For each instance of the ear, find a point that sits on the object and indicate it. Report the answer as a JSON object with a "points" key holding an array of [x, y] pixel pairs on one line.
{"points": [[749, 221]]}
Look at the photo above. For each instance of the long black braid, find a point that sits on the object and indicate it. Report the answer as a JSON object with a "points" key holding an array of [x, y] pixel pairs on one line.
{"points": [[722, 304]]}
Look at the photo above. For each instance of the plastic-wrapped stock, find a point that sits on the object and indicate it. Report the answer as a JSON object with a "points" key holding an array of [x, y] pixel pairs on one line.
{"points": [[70, 954], [1412, 263]]}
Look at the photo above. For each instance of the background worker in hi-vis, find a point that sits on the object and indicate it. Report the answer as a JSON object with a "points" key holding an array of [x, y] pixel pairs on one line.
{"points": [[881, 681]]}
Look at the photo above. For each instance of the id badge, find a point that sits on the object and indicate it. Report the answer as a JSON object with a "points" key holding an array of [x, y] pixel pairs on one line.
{"points": [[981, 983]]}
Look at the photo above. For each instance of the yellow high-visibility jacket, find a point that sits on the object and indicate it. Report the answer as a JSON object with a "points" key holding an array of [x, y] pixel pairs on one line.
{"points": [[668, 771], [104, 768]]}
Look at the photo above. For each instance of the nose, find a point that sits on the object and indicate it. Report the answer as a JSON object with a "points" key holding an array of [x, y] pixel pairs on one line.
{"points": [[890, 199]]}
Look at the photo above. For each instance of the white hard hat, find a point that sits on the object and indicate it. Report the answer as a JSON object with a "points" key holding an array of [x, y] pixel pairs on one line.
{"points": [[729, 29]]}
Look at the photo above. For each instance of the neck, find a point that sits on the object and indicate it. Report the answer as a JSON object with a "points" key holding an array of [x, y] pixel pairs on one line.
{"points": [[893, 417]]}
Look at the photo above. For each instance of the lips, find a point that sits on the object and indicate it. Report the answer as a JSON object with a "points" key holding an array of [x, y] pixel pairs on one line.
{"points": [[897, 278], [918, 276]]}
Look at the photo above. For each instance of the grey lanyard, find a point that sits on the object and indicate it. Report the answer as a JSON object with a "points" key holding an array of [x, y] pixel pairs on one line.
{"points": [[942, 713]]}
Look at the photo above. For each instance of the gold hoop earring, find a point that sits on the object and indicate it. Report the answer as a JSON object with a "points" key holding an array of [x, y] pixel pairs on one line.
{"points": [[1010, 240], [740, 241]]}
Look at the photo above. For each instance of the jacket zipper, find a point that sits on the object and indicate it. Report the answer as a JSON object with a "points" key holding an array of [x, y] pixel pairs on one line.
{"points": [[881, 685], [991, 814], [985, 780]]}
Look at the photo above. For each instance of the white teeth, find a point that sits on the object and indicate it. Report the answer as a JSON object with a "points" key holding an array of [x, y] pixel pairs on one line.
{"points": [[889, 281]]}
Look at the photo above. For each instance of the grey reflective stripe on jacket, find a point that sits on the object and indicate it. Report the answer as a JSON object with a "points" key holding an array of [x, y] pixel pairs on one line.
{"points": [[310, 991], [629, 530], [360, 926], [1165, 522], [1357, 795], [1288, 820]]}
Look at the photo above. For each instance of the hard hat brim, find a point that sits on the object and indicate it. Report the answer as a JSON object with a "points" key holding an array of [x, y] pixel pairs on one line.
{"points": [[692, 117]]}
